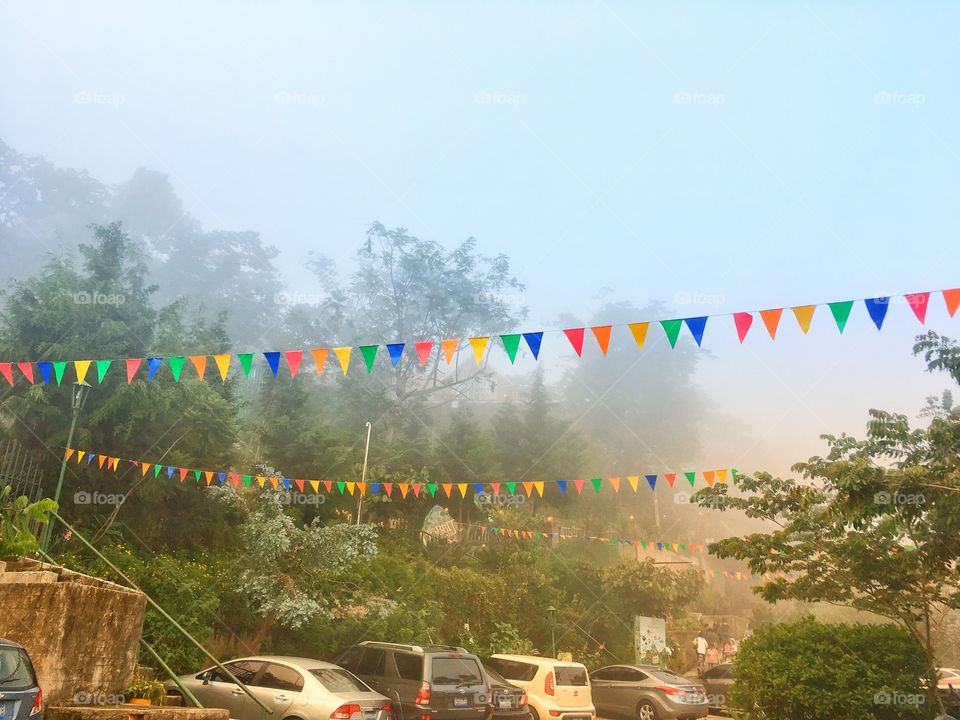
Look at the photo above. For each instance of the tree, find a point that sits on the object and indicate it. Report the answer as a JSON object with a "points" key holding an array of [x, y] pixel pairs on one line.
{"points": [[874, 525]]}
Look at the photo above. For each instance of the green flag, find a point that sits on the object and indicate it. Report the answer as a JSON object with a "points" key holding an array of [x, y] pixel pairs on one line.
{"points": [[432, 487], [102, 367], [596, 483], [511, 343], [176, 365], [156, 470], [841, 312], [341, 486], [196, 474], [58, 368], [247, 480], [672, 329], [691, 476], [369, 353], [512, 487], [246, 360]]}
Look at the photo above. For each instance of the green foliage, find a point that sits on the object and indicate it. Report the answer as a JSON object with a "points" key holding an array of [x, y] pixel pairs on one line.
{"points": [[809, 670], [17, 514]]}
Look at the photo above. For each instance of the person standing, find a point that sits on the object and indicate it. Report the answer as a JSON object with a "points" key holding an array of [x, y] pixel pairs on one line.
{"points": [[700, 643], [712, 657]]}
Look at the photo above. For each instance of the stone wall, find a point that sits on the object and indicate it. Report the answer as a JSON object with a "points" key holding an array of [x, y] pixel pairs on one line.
{"points": [[82, 633]]}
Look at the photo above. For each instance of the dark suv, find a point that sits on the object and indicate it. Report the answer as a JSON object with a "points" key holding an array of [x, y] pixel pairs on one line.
{"points": [[423, 682], [20, 696]]}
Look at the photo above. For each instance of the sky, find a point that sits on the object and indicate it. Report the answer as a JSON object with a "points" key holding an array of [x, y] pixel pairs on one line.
{"points": [[718, 156]]}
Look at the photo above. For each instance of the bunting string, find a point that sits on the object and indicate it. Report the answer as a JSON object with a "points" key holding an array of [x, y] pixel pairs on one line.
{"points": [[421, 351], [398, 490]]}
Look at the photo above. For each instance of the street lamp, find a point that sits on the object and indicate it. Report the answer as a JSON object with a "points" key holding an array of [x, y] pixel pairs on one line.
{"points": [[77, 400], [552, 611]]}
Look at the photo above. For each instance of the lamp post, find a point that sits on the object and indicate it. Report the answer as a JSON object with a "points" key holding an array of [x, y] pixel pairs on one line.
{"points": [[78, 398], [552, 611], [363, 478]]}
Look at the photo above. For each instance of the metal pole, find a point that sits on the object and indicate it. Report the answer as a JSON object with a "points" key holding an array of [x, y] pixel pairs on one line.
{"points": [[173, 676], [363, 479], [48, 529], [164, 613]]}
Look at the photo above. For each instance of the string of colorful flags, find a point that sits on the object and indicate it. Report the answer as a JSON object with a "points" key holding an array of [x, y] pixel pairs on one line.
{"points": [[55, 370], [403, 490]]}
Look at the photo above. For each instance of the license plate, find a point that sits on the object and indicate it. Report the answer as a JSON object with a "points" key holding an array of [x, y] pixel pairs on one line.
{"points": [[460, 702], [504, 703]]}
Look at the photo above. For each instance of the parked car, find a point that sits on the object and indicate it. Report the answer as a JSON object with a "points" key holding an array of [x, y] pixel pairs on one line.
{"points": [[948, 677], [647, 692], [556, 689], [509, 701], [717, 682], [20, 694], [423, 682], [290, 687]]}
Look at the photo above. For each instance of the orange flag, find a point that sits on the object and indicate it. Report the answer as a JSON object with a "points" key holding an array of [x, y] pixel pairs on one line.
{"points": [[144, 467], [223, 365], [362, 488], [708, 476], [615, 483], [804, 314], [319, 358], [952, 299], [771, 319], [447, 488], [200, 364], [403, 489], [101, 459], [449, 348], [639, 331], [343, 355], [70, 452], [479, 345], [602, 334], [528, 487]]}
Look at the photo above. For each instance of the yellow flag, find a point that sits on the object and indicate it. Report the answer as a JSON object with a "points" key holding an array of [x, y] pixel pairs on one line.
{"points": [[462, 487], [144, 467], [315, 484], [343, 355], [80, 455], [81, 366], [639, 331], [479, 345], [633, 480], [722, 476], [223, 365], [350, 486], [449, 348], [804, 314], [261, 480], [538, 486]]}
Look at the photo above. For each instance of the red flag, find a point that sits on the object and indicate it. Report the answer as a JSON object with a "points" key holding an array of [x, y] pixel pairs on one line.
{"points": [[6, 369], [416, 489], [602, 334], [578, 484], [423, 351], [387, 489], [743, 321], [327, 484], [299, 484], [918, 303], [183, 474], [133, 364], [27, 370], [495, 487], [575, 336], [293, 360], [670, 478]]}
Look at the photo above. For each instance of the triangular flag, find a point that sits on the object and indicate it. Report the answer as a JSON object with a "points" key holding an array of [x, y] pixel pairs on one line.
{"points": [[449, 348], [396, 352], [596, 482], [101, 459], [416, 489], [877, 308], [223, 365], [350, 487], [512, 488], [199, 364], [144, 468], [274, 483], [183, 474], [804, 314], [743, 321], [80, 455], [6, 369], [696, 325], [59, 367], [342, 486], [328, 486], [246, 363], [156, 470], [527, 487], [721, 476], [196, 474], [447, 488], [671, 478], [633, 480], [562, 486], [133, 364], [423, 348], [319, 358], [403, 489], [708, 476], [315, 484], [918, 303], [534, 339], [462, 487], [479, 345], [343, 356], [369, 353], [294, 358], [614, 483], [639, 332], [70, 452], [652, 481], [578, 484], [841, 312], [273, 360], [222, 477], [176, 366], [602, 334], [771, 320], [362, 488], [575, 336], [27, 370], [952, 299], [691, 477], [247, 480], [495, 487], [672, 329], [538, 486], [153, 364], [375, 488], [80, 366], [511, 343], [299, 484], [45, 369]]}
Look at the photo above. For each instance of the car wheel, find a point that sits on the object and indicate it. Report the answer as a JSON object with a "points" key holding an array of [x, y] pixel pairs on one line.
{"points": [[534, 714], [647, 711], [175, 698]]}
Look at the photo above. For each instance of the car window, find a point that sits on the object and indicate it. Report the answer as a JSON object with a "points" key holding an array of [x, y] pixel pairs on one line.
{"points": [[570, 675], [632, 675], [280, 677], [372, 662], [409, 667], [606, 674], [514, 669], [244, 670], [351, 659], [16, 672], [456, 671], [337, 680], [495, 677]]}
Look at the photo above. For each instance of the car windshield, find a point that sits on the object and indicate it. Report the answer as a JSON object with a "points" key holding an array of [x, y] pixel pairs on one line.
{"points": [[456, 671], [337, 680], [16, 672]]}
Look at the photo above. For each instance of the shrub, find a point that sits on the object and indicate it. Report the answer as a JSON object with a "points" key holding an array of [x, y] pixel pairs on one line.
{"points": [[811, 670]]}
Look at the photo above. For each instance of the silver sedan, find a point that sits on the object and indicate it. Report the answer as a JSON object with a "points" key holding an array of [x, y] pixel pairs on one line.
{"points": [[290, 687]]}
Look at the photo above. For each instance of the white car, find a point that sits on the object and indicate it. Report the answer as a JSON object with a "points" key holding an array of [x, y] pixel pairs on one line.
{"points": [[556, 689]]}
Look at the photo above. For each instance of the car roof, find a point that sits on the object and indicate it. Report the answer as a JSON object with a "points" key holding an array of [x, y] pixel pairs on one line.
{"points": [[414, 647], [305, 663], [10, 643], [536, 660]]}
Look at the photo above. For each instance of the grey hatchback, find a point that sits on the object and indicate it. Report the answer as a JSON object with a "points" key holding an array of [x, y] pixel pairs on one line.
{"points": [[647, 692], [20, 695]]}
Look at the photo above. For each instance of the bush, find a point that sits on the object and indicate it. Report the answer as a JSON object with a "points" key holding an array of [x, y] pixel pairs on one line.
{"points": [[814, 671]]}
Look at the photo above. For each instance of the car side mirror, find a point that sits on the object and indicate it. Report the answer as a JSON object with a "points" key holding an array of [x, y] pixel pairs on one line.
{"points": [[206, 677]]}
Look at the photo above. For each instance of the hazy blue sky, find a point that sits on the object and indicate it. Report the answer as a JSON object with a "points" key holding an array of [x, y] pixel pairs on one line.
{"points": [[746, 154]]}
